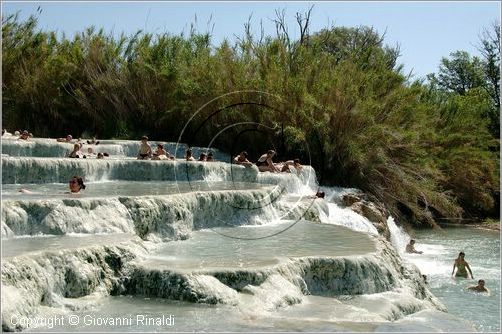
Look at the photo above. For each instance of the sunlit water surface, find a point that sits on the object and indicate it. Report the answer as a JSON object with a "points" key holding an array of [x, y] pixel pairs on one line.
{"points": [[251, 246], [120, 188], [482, 249]]}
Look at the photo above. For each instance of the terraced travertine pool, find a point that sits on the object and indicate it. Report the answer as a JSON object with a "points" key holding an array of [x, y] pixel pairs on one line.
{"points": [[214, 246]]}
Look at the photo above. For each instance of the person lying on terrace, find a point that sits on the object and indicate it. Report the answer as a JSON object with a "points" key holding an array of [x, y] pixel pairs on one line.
{"points": [[25, 135], [90, 152], [480, 287], [67, 139]]}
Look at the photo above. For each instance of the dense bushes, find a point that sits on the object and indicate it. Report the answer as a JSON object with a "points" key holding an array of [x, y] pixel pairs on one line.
{"points": [[336, 97]]}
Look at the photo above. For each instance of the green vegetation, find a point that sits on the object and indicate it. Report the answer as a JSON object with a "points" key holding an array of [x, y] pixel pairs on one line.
{"points": [[428, 150]]}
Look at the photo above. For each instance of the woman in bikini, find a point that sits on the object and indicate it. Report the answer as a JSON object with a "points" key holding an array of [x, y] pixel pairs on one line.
{"points": [[265, 163], [461, 266]]}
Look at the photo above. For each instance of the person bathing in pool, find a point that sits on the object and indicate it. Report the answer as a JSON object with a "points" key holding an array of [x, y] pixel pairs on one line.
{"points": [[76, 153], [242, 159], [461, 266], [210, 157], [76, 184], [480, 287], [410, 248]]}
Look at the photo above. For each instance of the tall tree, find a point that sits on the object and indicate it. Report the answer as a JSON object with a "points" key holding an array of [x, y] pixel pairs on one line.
{"points": [[459, 73], [490, 50]]}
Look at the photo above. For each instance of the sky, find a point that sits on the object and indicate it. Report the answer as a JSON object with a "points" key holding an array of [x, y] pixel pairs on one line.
{"points": [[426, 31]]}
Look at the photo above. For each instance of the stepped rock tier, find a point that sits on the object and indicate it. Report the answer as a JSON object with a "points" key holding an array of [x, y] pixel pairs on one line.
{"points": [[222, 247]]}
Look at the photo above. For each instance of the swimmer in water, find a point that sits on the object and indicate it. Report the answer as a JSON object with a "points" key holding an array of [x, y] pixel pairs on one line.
{"points": [[480, 287], [462, 266], [76, 184], [410, 248]]}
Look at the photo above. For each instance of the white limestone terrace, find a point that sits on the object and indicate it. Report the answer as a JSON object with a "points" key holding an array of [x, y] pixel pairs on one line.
{"points": [[168, 217], [47, 191], [192, 232], [49, 147], [76, 279], [60, 170]]}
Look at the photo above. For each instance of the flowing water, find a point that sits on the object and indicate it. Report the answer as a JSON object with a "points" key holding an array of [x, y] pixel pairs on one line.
{"points": [[192, 246], [482, 250], [440, 249], [120, 188]]}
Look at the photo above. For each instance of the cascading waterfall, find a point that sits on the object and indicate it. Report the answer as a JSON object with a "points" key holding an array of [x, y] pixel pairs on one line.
{"points": [[60, 170], [398, 236]]}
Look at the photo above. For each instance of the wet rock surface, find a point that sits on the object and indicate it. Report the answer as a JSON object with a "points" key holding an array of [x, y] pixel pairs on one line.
{"points": [[375, 213]]}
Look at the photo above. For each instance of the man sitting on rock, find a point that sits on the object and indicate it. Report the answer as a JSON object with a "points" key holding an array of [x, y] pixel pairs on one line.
{"points": [[410, 248]]}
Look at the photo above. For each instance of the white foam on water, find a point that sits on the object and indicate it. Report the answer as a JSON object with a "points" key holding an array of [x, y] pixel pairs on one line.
{"points": [[398, 236], [348, 218], [213, 176]]}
